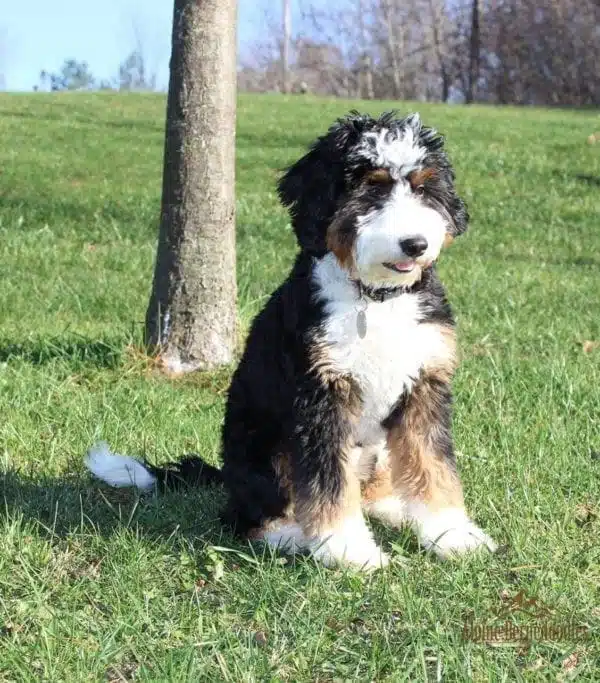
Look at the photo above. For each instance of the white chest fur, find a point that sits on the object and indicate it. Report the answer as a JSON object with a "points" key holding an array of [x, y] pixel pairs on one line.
{"points": [[387, 360]]}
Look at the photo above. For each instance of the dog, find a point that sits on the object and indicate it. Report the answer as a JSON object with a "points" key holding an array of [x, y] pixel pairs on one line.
{"points": [[340, 407]]}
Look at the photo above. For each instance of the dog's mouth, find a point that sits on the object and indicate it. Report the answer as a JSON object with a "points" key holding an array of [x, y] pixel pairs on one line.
{"points": [[401, 266]]}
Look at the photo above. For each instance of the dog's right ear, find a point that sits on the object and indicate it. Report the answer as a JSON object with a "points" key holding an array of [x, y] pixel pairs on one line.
{"points": [[311, 187]]}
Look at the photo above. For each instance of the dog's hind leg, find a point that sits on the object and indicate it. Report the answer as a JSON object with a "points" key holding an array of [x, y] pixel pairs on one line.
{"points": [[381, 501]]}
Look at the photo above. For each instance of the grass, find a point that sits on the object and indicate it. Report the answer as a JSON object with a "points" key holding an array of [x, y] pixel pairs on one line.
{"points": [[97, 584]]}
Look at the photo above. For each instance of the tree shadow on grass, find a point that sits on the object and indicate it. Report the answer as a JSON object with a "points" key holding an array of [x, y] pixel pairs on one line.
{"points": [[67, 114], [575, 262], [562, 262], [588, 179], [55, 207], [585, 178], [101, 353], [283, 141]]}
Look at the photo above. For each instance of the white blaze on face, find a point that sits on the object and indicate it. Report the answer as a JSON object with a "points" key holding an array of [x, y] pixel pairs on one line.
{"points": [[400, 153], [404, 215], [381, 232]]}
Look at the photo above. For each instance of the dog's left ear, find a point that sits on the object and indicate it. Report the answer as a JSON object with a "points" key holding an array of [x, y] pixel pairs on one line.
{"points": [[311, 187]]}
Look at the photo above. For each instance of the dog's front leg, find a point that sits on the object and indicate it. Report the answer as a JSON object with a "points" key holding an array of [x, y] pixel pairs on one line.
{"points": [[423, 469], [327, 499]]}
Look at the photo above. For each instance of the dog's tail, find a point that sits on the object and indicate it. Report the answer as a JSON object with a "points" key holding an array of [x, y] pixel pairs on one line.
{"points": [[122, 470]]}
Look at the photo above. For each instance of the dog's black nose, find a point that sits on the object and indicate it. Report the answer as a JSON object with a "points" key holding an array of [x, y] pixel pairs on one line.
{"points": [[414, 246]]}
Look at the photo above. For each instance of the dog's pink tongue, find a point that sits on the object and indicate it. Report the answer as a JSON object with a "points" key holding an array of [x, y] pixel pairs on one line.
{"points": [[404, 265]]}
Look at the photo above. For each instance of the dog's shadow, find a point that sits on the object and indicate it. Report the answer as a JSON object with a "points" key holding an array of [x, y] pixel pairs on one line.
{"points": [[59, 508]]}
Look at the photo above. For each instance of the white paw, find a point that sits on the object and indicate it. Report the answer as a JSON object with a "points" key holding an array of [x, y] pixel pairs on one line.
{"points": [[460, 540], [331, 553], [350, 545], [449, 532], [284, 537]]}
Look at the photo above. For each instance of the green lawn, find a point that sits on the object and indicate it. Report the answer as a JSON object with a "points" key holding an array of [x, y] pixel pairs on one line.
{"points": [[97, 584]]}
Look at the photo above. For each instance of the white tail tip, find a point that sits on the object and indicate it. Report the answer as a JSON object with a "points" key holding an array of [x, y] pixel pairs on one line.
{"points": [[117, 470]]}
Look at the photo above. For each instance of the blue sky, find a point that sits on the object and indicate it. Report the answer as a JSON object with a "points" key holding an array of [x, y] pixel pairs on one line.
{"points": [[40, 34]]}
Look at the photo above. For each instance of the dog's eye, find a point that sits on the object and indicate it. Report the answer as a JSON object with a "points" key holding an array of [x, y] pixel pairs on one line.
{"points": [[417, 180], [378, 176]]}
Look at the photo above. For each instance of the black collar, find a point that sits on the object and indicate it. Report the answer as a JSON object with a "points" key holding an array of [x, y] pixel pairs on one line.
{"points": [[379, 294]]}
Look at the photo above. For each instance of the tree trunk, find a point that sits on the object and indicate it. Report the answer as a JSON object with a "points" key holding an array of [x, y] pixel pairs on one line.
{"points": [[396, 48], [287, 37], [474, 48], [191, 317], [440, 45], [365, 86]]}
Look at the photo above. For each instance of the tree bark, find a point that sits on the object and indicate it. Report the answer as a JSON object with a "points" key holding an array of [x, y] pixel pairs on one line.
{"points": [[474, 50], [287, 37], [191, 317], [365, 86], [396, 48], [440, 45]]}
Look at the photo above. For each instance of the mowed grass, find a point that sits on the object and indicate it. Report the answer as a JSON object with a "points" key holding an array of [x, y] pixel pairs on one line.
{"points": [[97, 584]]}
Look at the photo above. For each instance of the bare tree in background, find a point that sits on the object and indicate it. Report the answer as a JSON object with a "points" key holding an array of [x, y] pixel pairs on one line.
{"points": [[474, 50], [499, 51], [342, 34], [2, 59], [394, 33], [136, 71], [440, 45], [191, 315], [366, 59], [285, 49], [133, 73]]}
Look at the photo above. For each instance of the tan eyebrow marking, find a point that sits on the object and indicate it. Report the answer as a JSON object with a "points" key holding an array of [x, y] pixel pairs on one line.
{"points": [[378, 175], [418, 178]]}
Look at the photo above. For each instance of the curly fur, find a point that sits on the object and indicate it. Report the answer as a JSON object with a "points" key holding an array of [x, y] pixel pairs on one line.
{"points": [[322, 421]]}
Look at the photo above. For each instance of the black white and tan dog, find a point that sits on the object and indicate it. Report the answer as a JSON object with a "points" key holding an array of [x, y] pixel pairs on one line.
{"points": [[341, 404]]}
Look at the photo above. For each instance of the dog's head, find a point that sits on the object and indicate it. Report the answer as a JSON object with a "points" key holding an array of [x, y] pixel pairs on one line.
{"points": [[379, 194]]}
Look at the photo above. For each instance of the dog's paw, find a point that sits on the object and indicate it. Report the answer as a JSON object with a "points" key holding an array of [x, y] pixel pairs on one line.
{"points": [[461, 540], [350, 545], [332, 554], [450, 532]]}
